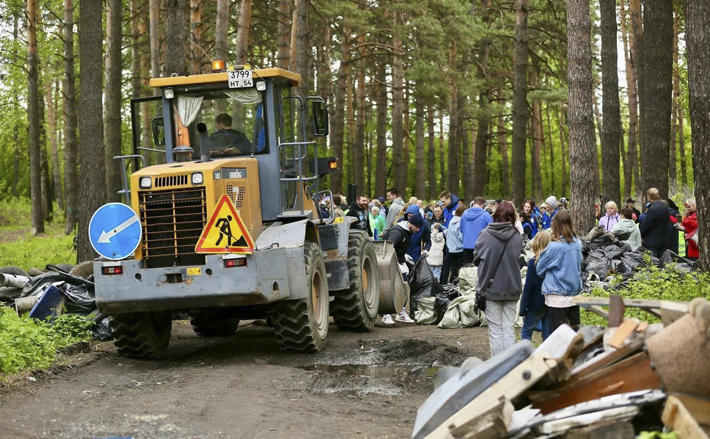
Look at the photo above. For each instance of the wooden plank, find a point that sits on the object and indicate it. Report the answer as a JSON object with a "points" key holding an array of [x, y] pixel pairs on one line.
{"points": [[622, 333], [605, 359], [616, 310], [491, 424], [681, 414], [658, 308], [643, 326], [629, 375]]}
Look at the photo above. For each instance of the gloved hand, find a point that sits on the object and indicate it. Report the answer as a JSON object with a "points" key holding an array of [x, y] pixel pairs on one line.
{"points": [[408, 259], [425, 253], [403, 268]]}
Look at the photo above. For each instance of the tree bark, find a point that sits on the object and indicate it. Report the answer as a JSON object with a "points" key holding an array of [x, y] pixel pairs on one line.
{"points": [[631, 176], [442, 150], [304, 46], [400, 175], [697, 19], [503, 144], [565, 155], [381, 139], [520, 104], [71, 174], [54, 143], [672, 171], [361, 105], [221, 32], [113, 95], [34, 120], [537, 147], [243, 28], [611, 127], [283, 33], [551, 166], [655, 92], [197, 35], [681, 147], [484, 116], [431, 154], [92, 187], [419, 165], [452, 169], [176, 37], [337, 124], [581, 117]]}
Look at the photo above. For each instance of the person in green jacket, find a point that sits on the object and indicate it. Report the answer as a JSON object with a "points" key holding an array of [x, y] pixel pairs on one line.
{"points": [[377, 222], [627, 225]]}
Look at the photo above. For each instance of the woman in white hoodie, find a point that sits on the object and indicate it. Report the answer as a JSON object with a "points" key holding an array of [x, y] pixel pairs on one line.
{"points": [[435, 258]]}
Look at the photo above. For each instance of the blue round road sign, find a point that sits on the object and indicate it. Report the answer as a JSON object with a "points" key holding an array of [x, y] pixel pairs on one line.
{"points": [[115, 231]]}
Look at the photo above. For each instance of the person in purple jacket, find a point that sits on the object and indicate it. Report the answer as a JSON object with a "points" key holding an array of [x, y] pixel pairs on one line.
{"points": [[611, 217]]}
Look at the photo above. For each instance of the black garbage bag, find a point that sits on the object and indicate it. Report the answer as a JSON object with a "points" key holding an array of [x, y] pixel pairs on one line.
{"points": [[422, 283], [443, 299], [585, 248], [601, 241], [633, 260], [79, 299], [612, 252], [101, 330], [597, 263]]}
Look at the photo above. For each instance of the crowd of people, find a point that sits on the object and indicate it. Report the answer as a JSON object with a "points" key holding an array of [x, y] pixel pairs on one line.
{"points": [[491, 235]]}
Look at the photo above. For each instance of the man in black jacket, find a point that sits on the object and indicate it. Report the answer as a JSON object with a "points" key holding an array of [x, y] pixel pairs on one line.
{"points": [[654, 227], [359, 209]]}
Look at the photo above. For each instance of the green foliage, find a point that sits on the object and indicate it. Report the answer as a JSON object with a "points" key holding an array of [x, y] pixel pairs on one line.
{"points": [[654, 283], [26, 343], [657, 435], [19, 248]]}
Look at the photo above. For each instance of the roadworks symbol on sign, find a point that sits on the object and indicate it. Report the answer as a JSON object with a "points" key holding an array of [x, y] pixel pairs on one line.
{"points": [[225, 231]]}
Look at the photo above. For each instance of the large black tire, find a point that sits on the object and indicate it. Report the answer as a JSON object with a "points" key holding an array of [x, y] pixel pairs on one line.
{"points": [[17, 271], [212, 323], [356, 308], [142, 335], [302, 325]]}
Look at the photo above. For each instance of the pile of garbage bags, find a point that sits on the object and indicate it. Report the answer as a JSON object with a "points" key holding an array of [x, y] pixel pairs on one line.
{"points": [[47, 294]]}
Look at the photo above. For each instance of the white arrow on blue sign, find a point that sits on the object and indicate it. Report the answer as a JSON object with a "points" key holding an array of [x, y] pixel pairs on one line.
{"points": [[115, 231]]}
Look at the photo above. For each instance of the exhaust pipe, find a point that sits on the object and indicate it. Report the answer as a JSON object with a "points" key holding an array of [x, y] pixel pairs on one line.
{"points": [[204, 142]]}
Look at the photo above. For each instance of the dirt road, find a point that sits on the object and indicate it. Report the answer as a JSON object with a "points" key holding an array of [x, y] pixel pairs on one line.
{"points": [[361, 386]]}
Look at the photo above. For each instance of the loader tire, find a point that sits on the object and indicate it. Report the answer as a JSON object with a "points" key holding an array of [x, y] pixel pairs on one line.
{"points": [[302, 325], [142, 335], [355, 309], [212, 323]]}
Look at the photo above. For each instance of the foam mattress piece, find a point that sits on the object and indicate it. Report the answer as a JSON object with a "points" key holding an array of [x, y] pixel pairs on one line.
{"points": [[465, 386]]}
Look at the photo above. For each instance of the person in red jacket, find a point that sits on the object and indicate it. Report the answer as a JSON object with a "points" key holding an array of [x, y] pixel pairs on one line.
{"points": [[690, 226]]}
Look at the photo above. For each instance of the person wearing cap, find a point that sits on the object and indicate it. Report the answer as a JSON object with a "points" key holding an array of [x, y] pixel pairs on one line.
{"points": [[631, 204], [400, 236], [420, 243]]}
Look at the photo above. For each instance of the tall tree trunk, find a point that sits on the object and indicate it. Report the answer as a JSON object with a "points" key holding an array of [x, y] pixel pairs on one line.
{"points": [[503, 144], [243, 31], [672, 171], [681, 147], [293, 55], [34, 120], [137, 20], [304, 46], [598, 121], [581, 118], [15, 127], [520, 104], [484, 116], [564, 155], [452, 171], [537, 147], [283, 33], [400, 175], [92, 188], [350, 124], [551, 166], [419, 165], [655, 92], [176, 37], [431, 154], [697, 16], [381, 139], [442, 148], [361, 105], [221, 32], [611, 127], [71, 146], [47, 192], [463, 170], [112, 122], [631, 178], [54, 143], [337, 124], [197, 35]]}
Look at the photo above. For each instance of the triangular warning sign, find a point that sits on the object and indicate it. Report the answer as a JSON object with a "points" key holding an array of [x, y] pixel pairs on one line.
{"points": [[225, 231]]}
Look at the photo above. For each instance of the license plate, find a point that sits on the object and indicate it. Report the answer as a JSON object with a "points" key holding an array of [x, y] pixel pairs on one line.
{"points": [[240, 78], [194, 271]]}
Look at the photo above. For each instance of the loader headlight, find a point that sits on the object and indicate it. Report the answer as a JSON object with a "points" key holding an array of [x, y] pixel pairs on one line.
{"points": [[197, 178], [145, 182]]}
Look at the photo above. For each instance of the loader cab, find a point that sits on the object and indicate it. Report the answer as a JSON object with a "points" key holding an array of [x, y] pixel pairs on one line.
{"points": [[239, 114]]}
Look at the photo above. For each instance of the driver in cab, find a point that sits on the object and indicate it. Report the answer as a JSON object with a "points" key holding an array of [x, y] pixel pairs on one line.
{"points": [[227, 141]]}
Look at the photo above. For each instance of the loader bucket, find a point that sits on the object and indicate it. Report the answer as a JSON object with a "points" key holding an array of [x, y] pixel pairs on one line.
{"points": [[394, 292]]}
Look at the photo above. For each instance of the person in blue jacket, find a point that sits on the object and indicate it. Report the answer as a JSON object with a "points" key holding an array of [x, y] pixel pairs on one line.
{"points": [[420, 243], [561, 265], [532, 302], [449, 202], [473, 221]]}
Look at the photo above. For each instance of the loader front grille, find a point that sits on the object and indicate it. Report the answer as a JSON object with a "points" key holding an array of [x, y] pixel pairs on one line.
{"points": [[172, 223]]}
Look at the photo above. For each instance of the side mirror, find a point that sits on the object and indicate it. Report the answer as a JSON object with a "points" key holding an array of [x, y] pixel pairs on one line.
{"points": [[158, 126], [320, 119]]}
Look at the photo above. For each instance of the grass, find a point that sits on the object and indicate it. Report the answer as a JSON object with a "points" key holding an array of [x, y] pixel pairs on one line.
{"points": [[19, 248]]}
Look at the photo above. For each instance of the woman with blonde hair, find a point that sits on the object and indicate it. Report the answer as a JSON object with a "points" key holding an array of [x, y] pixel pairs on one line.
{"points": [[561, 266], [532, 302], [611, 217]]}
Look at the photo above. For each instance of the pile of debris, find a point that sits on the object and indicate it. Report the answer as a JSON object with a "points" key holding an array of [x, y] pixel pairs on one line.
{"points": [[613, 382], [46, 294]]}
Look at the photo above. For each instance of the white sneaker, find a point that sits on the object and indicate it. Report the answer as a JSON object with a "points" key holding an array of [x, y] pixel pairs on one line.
{"points": [[387, 320], [402, 317]]}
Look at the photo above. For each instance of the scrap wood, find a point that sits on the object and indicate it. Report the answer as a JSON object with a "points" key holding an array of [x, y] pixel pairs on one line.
{"points": [[623, 332], [668, 311], [616, 310], [688, 416], [629, 375], [606, 359], [589, 419], [491, 424]]}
